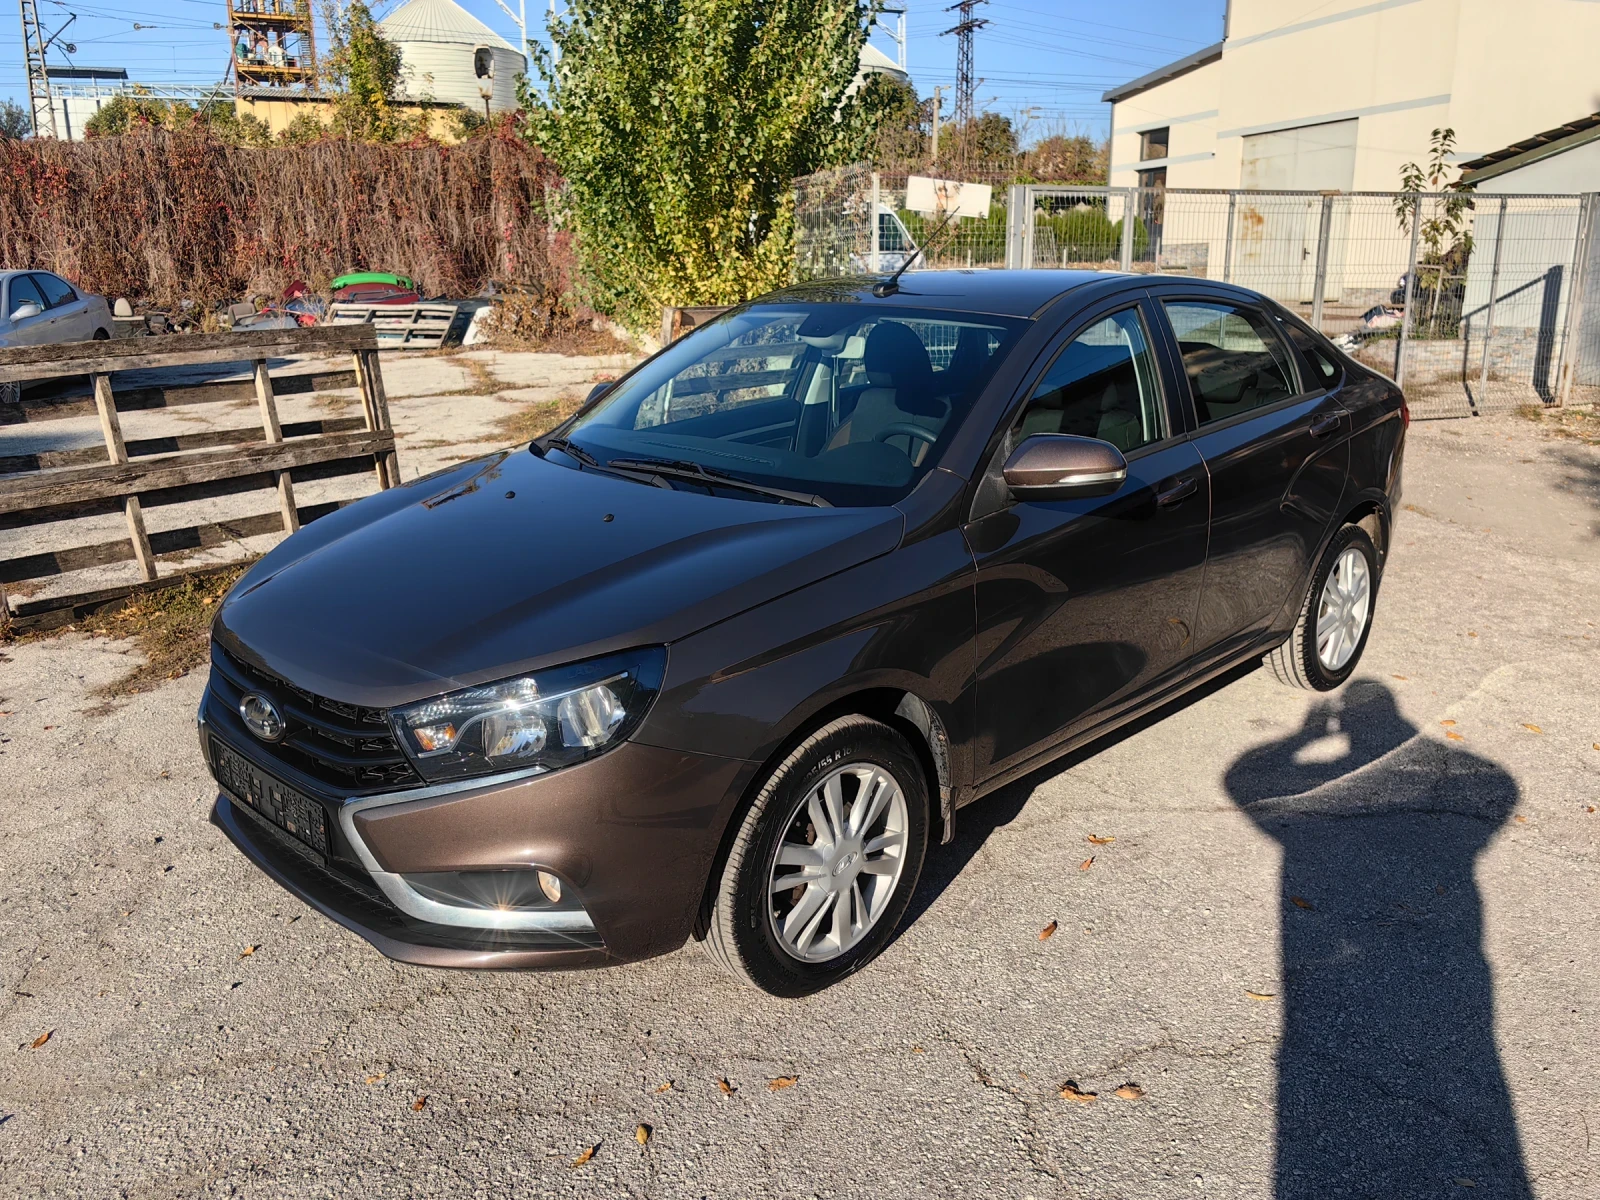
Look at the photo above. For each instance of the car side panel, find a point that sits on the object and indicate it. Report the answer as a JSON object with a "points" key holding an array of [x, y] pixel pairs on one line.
{"points": [[905, 620]]}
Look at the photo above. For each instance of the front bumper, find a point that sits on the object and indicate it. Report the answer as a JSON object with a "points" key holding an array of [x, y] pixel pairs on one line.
{"points": [[634, 834]]}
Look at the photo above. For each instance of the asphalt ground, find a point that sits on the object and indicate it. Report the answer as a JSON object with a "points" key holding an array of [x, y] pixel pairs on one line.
{"points": [[1341, 945]]}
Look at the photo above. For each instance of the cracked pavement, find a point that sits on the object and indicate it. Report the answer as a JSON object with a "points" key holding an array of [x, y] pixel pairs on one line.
{"points": [[1342, 952]]}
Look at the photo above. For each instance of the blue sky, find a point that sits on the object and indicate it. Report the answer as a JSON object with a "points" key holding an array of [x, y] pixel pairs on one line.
{"points": [[1043, 62]]}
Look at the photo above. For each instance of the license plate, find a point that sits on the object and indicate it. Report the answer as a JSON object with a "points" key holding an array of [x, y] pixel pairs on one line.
{"points": [[292, 811]]}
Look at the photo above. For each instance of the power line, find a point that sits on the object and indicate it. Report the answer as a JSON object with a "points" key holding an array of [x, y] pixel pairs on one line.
{"points": [[964, 29]]}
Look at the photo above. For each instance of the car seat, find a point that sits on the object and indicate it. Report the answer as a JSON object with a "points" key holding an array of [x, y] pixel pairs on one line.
{"points": [[900, 391]]}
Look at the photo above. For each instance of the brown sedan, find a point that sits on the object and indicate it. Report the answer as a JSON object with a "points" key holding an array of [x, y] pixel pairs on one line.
{"points": [[724, 654]]}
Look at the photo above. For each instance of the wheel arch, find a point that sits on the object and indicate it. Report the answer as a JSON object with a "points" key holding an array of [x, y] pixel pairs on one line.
{"points": [[897, 707]]}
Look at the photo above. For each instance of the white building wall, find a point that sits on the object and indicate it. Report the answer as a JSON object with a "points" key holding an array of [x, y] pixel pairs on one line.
{"points": [[1496, 71], [446, 72]]}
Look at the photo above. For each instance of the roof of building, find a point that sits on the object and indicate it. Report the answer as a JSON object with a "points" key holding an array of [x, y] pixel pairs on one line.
{"points": [[439, 21], [1530, 150], [1161, 74]]}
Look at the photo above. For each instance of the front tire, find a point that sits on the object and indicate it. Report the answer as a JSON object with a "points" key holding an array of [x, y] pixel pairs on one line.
{"points": [[1335, 618], [825, 860]]}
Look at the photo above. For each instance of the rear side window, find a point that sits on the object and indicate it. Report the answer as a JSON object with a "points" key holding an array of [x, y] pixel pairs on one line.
{"points": [[1234, 360], [23, 291], [1325, 369], [56, 291], [1102, 385]]}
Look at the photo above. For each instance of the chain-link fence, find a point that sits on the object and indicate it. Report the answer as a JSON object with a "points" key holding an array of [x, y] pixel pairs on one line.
{"points": [[1474, 303]]}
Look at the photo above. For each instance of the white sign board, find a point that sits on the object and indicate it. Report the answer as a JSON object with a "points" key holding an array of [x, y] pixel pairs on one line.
{"points": [[939, 196]]}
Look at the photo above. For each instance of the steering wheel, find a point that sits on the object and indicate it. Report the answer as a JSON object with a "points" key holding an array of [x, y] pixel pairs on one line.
{"points": [[906, 428]]}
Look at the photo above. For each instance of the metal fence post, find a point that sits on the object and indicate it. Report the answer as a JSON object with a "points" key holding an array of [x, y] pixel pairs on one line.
{"points": [[1129, 199], [1014, 231], [1583, 251], [872, 225], [1030, 217], [1320, 282], [1494, 290], [1411, 292], [1227, 245]]}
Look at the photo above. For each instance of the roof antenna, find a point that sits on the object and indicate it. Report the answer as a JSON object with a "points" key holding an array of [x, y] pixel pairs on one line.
{"points": [[891, 285]]}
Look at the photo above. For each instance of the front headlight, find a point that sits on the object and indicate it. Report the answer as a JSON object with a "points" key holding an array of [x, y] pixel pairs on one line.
{"points": [[548, 719]]}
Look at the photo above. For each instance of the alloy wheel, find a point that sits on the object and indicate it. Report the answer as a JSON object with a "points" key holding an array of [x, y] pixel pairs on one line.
{"points": [[1343, 609], [838, 863]]}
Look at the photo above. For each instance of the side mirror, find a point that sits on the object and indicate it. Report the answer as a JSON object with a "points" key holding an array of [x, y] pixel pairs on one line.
{"points": [[1059, 466], [25, 310], [598, 390]]}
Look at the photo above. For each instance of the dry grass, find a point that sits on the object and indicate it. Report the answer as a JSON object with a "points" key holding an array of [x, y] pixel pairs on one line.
{"points": [[535, 420], [170, 627], [1573, 423]]}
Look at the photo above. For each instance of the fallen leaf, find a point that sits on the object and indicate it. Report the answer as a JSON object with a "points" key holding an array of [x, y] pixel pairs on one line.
{"points": [[1100, 841], [1405, 677], [781, 1082], [727, 1088], [920, 1050], [1049, 930], [1071, 1091], [665, 1087], [1447, 724], [1596, 746], [1454, 736], [1531, 728], [49, 726], [249, 950], [420, 1103], [1521, 820], [381, 1075], [1471, 634], [1590, 807], [1461, 1182], [1262, 995], [1301, 902], [1130, 1091], [1086, 863], [40, 1040], [642, 1134], [586, 1155]]}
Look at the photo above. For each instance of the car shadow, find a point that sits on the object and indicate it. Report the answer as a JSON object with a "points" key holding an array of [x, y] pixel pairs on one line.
{"points": [[1389, 1078], [977, 821]]}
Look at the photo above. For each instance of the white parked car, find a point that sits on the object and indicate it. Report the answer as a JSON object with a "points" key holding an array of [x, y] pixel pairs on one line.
{"points": [[37, 308]]}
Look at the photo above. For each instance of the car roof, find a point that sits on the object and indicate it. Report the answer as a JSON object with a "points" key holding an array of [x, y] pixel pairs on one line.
{"points": [[1001, 293]]}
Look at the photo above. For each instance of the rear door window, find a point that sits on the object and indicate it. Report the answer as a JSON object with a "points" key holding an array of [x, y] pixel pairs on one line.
{"points": [[56, 291], [1233, 358], [1324, 367]]}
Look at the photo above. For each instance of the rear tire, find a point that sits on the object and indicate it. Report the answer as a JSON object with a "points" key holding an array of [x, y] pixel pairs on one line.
{"points": [[847, 810], [101, 335], [1335, 617]]}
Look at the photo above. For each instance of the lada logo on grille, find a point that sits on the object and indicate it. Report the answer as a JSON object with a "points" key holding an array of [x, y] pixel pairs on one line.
{"points": [[261, 717]]}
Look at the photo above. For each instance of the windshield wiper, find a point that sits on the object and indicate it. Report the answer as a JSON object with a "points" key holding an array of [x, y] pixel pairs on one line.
{"points": [[572, 450], [711, 477]]}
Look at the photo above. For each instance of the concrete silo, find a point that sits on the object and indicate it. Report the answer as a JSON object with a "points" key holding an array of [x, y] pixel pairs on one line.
{"points": [[451, 57]]}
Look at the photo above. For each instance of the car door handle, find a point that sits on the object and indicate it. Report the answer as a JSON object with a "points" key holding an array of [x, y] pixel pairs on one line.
{"points": [[1325, 426], [1178, 493]]}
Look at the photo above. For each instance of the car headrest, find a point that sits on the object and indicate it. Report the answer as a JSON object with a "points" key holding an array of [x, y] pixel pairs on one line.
{"points": [[895, 357]]}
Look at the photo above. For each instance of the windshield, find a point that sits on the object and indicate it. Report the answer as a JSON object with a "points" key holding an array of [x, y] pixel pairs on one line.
{"points": [[848, 404]]}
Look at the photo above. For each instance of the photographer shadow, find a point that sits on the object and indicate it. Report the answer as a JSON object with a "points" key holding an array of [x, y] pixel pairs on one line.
{"points": [[1389, 1078]]}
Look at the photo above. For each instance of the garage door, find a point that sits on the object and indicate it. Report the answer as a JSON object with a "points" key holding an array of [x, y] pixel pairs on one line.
{"points": [[1277, 246]]}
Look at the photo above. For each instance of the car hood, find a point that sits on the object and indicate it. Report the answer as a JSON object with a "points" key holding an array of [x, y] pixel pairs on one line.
{"points": [[512, 563]]}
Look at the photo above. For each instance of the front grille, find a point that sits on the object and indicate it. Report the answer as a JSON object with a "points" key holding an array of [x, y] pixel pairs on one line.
{"points": [[343, 745]]}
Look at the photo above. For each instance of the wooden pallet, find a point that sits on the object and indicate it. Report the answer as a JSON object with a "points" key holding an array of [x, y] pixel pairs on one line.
{"points": [[399, 326], [130, 474]]}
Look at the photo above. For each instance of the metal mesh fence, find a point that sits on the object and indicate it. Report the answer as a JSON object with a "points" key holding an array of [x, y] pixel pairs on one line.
{"points": [[1477, 304]]}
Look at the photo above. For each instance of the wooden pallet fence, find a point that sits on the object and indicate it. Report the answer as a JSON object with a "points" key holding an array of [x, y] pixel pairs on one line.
{"points": [[400, 326], [131, 474]]}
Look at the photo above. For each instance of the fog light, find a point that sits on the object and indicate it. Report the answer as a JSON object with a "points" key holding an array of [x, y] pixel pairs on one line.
{"points": [[502, 891]]}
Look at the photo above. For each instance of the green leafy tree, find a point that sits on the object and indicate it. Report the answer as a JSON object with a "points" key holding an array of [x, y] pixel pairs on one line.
{"points": [[363, 72], [15, 123], [130, 113], [680, 125], [1444, 217]]}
